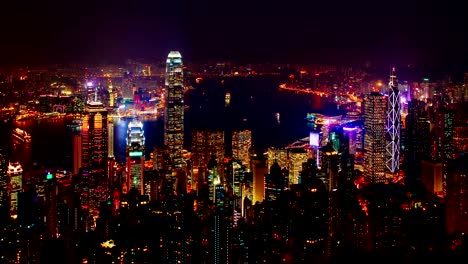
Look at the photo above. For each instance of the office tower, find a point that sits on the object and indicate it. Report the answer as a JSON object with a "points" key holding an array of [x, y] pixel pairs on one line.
{"points": [[457, 195], [15, 176], [110, 89], [77, 153], [235, 174], [374, 138], [111, 164], [417, 142], [94, 139], [174, 108], [94, 157], [90, 92], [259, 169], [178, 228], [152, 184], [135, 156], [447, 146], [4, 181], [205, 144], [275, 182], [297, 156], [308, 173], [110, 130], [393, 125], [213, 176], [279, 155], [127, 85], [314, 144], [431, 176], [51, 193], [330, 164], [222, 226], [241, 144], [460, 129], [351, 133]]}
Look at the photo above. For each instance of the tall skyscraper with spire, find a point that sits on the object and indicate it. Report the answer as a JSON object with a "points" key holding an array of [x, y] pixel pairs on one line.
{"points": [[174, 108], [393, 125], [135, 156]]}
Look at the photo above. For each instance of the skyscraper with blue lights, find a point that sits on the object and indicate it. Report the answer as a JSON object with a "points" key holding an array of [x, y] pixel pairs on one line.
{"points": [[393, 125], [135, 156]]}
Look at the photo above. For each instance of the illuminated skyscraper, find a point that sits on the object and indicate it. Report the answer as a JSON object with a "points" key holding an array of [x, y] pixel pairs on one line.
{"points": [[15, 176], [111, 166], [275, 182], [77, 145], [297, 156], [279, 155], [3, 182], [135, 156], [94, 155], [241, 144], [393, 125], [374, 137], [174, 108], [110, 130], [222, 226], [94, 139], [205, 144]]}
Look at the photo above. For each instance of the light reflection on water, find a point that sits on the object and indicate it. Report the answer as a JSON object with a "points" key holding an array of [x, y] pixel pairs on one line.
{"points": [[52, 142]]}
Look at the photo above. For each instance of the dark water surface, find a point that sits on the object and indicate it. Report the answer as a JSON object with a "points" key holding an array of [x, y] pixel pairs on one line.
{"points": [[254, 102]]}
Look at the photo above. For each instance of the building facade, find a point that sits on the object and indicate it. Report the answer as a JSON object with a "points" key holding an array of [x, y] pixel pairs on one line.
{"points": [[135, 156], [174, 108], [374, 138], [393, 125]]}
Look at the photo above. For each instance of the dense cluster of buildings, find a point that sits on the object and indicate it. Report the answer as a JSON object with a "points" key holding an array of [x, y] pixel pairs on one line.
{"points": [[388, 177]]}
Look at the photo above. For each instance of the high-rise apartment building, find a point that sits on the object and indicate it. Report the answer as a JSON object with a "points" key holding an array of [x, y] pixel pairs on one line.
{"points": [[135, 156], [393, 125], [374, 137], [174, 108]]}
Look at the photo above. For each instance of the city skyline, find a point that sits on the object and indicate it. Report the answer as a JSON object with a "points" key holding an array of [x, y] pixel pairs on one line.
{"points": [[233, 132]]}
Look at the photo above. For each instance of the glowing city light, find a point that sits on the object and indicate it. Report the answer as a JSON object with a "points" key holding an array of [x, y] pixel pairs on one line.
{"points": [[136, 154]]}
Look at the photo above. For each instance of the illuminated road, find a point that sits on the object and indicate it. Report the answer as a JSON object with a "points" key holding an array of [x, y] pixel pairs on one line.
{"points": [[283, 86]]}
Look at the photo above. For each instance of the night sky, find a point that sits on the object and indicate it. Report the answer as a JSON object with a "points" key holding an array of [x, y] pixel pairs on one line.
{"points": [[403, 31]]}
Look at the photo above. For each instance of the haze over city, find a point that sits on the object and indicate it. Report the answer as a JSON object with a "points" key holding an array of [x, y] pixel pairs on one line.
{"points": [[432, 33]]}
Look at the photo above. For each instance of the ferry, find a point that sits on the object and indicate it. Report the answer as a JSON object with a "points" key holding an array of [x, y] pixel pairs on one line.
{"points": [[21, 135]]}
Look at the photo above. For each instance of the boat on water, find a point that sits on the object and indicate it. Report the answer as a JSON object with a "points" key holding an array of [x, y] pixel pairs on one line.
{"points": [[21, 135]]}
